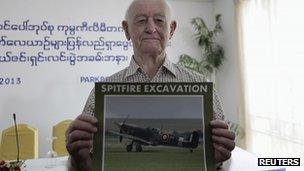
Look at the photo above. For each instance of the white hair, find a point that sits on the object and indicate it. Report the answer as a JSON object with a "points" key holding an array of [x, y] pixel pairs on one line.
{"points": [[167, 7]]}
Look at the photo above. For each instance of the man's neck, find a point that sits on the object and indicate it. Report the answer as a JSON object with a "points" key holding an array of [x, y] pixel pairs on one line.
{"points": [[150, 63]]}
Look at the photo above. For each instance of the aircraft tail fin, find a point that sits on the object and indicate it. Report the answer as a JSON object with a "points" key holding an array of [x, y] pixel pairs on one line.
{"points": [[194, 139]]}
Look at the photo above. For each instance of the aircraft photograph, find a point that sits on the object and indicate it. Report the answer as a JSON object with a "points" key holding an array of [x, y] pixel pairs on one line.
{"points": [[140, 136]]}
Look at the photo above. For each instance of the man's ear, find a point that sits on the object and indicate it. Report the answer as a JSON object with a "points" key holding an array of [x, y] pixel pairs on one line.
{"points": [[172, 28], [125, 26]]}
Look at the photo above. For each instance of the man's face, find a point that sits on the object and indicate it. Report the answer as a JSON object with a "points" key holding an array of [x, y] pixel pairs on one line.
{"points": [[148, 27]]}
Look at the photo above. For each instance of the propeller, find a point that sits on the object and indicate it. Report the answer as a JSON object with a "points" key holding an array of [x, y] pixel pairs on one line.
{"points": [[120, 137], [120, 130], [160, 130], [125, 120]]}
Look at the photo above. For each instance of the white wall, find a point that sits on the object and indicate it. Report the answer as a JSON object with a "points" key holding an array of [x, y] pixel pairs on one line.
{"points": [[52, 92], [227, 77], [183, 12]]}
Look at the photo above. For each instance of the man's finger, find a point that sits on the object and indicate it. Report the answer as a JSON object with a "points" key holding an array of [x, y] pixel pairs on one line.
{"points": [[224, 142], [87, 118], [223, 133], [77, 135], [81, 125], [77, 145], [218, 124], [224, 154]]}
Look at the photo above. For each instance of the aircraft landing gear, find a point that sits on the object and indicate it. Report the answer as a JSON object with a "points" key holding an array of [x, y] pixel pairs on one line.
{"points": [[138, 148], [129, 147]]}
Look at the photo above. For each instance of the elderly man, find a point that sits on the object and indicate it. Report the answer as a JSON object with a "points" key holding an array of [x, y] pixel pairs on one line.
{"points": [[148, 25]]}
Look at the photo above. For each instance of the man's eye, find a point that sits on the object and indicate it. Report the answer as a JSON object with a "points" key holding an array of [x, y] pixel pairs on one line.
{"points": [[141, 20], [159, 20]]}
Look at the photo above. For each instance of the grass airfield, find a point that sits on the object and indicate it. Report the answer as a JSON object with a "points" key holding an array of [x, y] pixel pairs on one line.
{"points": [[158, 158]]}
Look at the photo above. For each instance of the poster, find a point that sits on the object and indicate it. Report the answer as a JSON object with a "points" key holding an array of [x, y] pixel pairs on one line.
{"points": [[153, 126]]}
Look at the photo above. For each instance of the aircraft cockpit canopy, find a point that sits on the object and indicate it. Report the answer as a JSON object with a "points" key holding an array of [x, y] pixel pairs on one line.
{"points": [[155, 130]]}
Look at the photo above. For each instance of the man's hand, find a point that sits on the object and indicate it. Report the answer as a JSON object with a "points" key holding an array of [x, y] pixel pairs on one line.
{"points": [[223, 140], [79, 141]]}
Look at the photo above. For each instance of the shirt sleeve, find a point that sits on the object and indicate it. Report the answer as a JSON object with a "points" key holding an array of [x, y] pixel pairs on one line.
{"points": [[218, 112], [90, 104]]}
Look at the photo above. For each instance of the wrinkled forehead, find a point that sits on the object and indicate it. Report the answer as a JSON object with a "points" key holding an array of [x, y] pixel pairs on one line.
{"points": [[148, 8]]}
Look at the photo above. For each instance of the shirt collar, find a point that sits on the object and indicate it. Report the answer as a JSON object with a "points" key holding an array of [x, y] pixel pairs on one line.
{"points": [[169, 66], [134, 67]]}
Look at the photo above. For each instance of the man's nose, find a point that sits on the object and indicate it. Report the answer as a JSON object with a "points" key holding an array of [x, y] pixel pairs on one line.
{"points": [[151, 27]]}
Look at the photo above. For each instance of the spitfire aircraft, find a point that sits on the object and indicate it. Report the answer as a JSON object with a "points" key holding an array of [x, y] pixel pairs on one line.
{"points": [[153, 136]]}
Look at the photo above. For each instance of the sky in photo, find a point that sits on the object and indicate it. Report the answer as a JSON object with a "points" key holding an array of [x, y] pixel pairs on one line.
{"points": [[153, 107]]}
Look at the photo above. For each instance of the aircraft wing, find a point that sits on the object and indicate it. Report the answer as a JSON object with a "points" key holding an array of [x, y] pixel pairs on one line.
{"points": [[131, 137]]}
